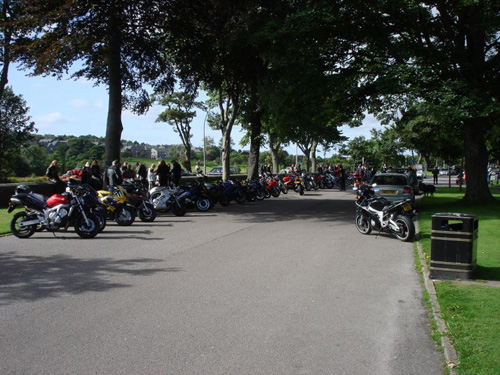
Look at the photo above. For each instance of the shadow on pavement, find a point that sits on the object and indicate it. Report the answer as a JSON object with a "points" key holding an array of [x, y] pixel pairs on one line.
{"points": [[32, 278]]}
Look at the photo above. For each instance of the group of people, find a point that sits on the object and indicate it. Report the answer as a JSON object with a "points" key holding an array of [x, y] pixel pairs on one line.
{"points": [[91, 174], [150, 177]]}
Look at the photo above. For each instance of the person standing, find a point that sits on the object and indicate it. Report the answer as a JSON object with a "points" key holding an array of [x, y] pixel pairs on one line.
{"points": [[151, 176], [142, 173], [341, 176], [114, 175], [96, 179], [163, 173], [435, 174], [86, 174], [176, 172], [53, 175]]}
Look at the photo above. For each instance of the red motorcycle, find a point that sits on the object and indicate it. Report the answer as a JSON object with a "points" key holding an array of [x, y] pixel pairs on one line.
{"points": [[52, 214], [271, 185], [294, 182]]}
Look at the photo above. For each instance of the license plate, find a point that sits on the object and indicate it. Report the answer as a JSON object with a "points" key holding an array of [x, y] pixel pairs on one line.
{"points": [[388, 192], [407, 207]]}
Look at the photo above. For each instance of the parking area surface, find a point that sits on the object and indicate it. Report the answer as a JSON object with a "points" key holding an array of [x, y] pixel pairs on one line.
{"points": [[284, 286]]}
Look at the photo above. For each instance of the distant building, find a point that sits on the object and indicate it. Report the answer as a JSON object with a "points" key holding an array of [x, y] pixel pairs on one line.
{"points": [[158, 153], [136, 150], [51, 145]]}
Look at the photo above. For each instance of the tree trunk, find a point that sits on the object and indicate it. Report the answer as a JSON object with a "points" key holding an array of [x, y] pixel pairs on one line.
{"points": [[225, 155], [7, 31], [274, 148], [228, 117], [314, 146], [255, 140], [476, 163], [307, 158], [114, 125], [187, 157]]}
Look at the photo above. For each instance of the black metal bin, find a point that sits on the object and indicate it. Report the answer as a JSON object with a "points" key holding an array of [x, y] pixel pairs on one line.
{"points": [[453, 246]]}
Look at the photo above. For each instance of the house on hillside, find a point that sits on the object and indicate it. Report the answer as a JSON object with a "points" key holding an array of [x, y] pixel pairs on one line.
{"points": [[51, 145], [158, 153], [136, 150]]}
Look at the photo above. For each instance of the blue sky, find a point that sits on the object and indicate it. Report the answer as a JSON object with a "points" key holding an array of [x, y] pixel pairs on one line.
{"points": [[79, 108]]}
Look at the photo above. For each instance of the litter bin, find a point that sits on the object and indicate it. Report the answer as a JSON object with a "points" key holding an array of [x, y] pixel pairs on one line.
{"points": [[453, 246]]}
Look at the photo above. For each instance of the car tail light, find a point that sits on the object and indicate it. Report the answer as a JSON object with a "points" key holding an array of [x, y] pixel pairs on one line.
{"points": [[406, 190]]}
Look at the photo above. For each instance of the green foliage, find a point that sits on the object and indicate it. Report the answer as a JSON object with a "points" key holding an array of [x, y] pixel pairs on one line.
{"points": [[15, 128]]}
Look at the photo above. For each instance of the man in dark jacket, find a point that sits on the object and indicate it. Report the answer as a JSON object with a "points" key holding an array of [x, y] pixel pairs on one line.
{"points": [[114, 175], [176, 172], [142, 173]]}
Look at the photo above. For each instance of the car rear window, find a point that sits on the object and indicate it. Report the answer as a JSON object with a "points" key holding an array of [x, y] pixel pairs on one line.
{"points": [[390, 180]]}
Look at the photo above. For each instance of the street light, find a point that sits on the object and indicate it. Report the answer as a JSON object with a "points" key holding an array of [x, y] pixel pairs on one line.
{"points": [[204, 146]]}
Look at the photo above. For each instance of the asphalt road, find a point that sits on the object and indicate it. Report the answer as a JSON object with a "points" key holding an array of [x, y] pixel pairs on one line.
{"points": [[285, 286]]}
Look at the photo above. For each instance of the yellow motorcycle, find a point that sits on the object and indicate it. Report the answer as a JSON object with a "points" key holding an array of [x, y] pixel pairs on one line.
{"points": [[119, 209]]}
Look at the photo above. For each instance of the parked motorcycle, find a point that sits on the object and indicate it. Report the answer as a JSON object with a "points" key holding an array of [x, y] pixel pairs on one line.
{"points": [[195, 196], [294, 182], [165, 198], [377, 213], [55, 213], [119, 208], [138, 196]]}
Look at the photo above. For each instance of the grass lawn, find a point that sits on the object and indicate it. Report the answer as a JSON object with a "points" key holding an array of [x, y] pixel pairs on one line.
{"points": [[471, 312], [5, 220]]}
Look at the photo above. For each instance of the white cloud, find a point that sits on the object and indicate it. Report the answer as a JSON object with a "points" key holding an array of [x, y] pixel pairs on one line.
{"points": [[78, 103], [52, 119]]}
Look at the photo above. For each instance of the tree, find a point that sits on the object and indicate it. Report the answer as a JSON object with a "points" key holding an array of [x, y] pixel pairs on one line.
{"points": [[36, 159], [444, 54], [209, 43], [15, 127], [180, 114], [114, 42]]}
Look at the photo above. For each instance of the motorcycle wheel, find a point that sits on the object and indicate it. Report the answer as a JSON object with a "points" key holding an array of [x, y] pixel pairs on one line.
{"points": [[147, 213], [203, 204], [250, 197], [406, 229], [275, 192], [308, 186], [240, 198], [260, 195], [125, 216], [284, 189], [329, 185], [179, 209], [363, 224], [87, 229], [301, 190], [224, 200], [17, 219], [268, 193], [101, 219]]}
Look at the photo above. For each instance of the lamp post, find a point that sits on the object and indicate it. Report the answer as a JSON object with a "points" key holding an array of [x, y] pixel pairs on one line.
{"points": [[204, 146]]}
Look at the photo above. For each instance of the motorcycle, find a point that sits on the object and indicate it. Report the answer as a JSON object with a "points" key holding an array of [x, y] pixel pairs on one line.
{"points": [[91, 199], [271, 185], [55, 213], [139, 198], [377, 213], [119, 208], [165, 198], [294, 182], [195, 196]]}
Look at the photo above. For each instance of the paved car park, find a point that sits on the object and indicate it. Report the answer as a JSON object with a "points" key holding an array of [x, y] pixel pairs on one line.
{"points": [[284, 286]]}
